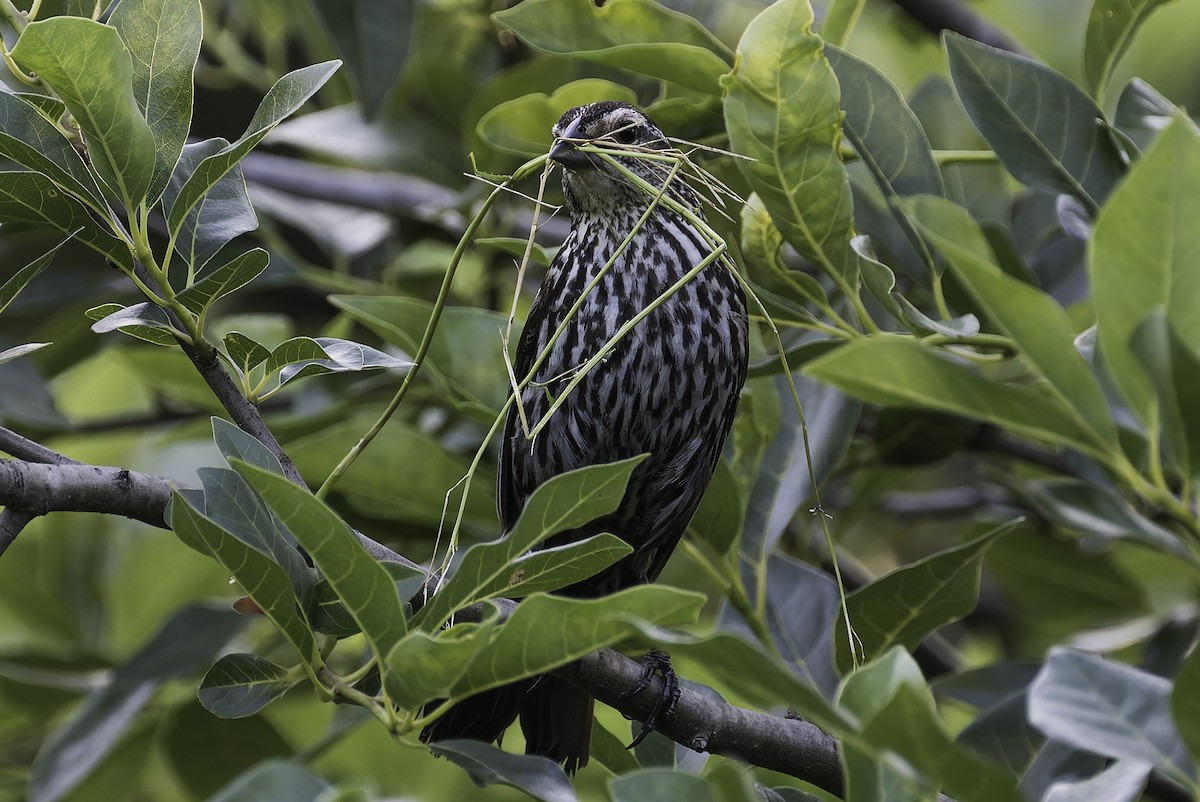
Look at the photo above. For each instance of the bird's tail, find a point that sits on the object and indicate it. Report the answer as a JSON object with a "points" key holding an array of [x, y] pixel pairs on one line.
{"points": [[556, 718]]}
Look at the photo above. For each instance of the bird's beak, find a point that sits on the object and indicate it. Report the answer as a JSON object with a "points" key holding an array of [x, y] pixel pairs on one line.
{"points": [[565, 153]]}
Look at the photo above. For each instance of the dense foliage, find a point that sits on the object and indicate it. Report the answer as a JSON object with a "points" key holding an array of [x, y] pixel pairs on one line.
{"points": [[974, 399]]}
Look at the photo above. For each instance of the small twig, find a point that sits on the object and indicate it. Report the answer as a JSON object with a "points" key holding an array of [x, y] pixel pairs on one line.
{"points": [[23, 448], [11, 523]]}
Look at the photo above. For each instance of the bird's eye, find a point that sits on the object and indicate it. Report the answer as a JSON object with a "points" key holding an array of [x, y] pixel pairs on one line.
{"points": [[626, 135]]}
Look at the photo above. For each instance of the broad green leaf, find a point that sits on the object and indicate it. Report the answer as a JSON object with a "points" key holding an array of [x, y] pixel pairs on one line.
{"points": [[476, 374], [522, 125], [545, 632], [34, 199], [1142, 113], [10, 288], [1109, 708], [1175, 370], [18, 351], [187, 641], [260, 577], [145, 321], [903, 607], [882, 128], [659, 785], [1185, 703], [898, 371], [718, 521], [871, 777], [898, 714], [801, 606], [539, 777], [88, 66], [781, 110], [300, 357], [636, 35], [363, 585], [48, 106], [1120, 782], [284, 98], [1033, 319], [760, 678], [1110, 28], [374, 39], [240, 685], [163, 38], [564, 502], [206, 753], [231, 504], [245, 352], [1041, 126], [221, 214], [1144, 254], [233, 444], [423, 666], [32, 141], [274, 780], [550, 569], [228, 278], [782, 485]]}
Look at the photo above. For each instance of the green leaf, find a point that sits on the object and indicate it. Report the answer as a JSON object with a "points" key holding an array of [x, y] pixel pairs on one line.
{"points": [[187, 641], [1185, 703], [262, 579], [718, 521], [362, 584], [636, 35], [539, 777], [18, 351], [245, 352], [1110, 28], [374, 39], [1111, 709], [903, 607], [300, 357], [1120, 782], [781, 110], [1143, 254], [145, 321], [564, 502], [240, 685], [284, 98], [228, 278], [1142, 113], [88, 66], [32, 141], [897, 714], [897, 371], [274, 780], [522, 125], [558, 567], [34, 199], [10, 288], [476, 374], [659, 785], [1031, 318], [163, 37], [516, 246], [424, 666], [1175, 370], [221, 214], [205, 753], [545, 632], [233, 443], [1041, 126]]}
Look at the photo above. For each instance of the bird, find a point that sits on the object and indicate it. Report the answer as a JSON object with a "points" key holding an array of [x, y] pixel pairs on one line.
{"points": [[669, 388]]}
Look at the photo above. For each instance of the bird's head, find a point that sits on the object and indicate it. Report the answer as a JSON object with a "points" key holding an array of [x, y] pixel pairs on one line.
{"points": [[589, 182]]}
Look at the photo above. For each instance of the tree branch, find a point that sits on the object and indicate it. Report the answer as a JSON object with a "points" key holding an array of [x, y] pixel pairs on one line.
{"points": [[23, 448], [12, 521], [950, 15]]}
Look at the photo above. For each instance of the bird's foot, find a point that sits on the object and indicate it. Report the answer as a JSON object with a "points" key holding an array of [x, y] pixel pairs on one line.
{"points": [[656, 662]]}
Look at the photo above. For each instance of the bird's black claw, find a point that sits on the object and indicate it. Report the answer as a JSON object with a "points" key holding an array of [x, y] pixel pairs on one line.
{"points": [[656, 662]]}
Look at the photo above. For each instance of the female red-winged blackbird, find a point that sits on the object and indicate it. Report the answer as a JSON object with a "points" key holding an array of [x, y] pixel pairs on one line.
{"points": [[669, 389]]}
